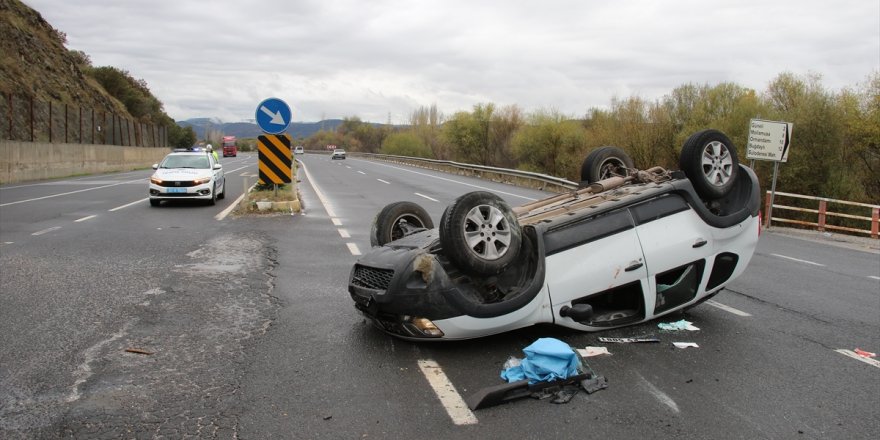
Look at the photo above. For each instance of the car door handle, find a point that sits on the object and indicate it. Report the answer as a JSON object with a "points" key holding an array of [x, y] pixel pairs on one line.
{"points": [[633, 266], [699, 243]]}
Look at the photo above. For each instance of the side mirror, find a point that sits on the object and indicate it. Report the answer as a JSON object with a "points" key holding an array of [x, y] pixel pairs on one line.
{"points": [[217, 166], [155, 166]]}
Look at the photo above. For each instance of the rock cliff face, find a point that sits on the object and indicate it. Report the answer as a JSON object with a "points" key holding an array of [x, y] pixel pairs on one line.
{"points": [[34, 63]]}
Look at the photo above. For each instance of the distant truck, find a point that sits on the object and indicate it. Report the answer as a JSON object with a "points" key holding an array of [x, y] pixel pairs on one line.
{"points": [[229, 148]]}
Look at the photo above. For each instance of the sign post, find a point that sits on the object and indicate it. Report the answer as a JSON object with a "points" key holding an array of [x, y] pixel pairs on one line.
{"points": [[274, 116], [769, 140]]}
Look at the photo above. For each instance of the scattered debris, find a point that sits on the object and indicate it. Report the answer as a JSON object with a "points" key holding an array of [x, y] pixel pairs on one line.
{"points": [[593, 351], [628, 340], [678, 325], [328, 416], [547, 359], [863, 353], [685, 344], [138, 351]]}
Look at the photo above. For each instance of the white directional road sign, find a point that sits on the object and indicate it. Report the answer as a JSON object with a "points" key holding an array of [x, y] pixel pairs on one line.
{"points": [[768, 140], [273, 116]]}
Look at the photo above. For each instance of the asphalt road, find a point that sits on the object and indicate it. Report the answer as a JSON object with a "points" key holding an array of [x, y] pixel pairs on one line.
{"points": [[252, 333]]}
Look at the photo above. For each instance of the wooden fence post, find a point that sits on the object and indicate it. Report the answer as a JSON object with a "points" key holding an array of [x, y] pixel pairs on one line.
{"points": [[875, 223], [823, 208]]}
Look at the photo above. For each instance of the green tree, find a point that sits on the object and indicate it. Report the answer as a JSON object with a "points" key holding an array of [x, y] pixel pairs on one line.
{"points": [[405, 144], [549, 143]]}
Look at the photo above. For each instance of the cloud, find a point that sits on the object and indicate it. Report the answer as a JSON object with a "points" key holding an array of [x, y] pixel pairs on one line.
{"points": [[386, 58]]}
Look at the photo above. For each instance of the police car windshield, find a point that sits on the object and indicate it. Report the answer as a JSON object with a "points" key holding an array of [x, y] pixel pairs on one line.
{"points": [[187, 161]]}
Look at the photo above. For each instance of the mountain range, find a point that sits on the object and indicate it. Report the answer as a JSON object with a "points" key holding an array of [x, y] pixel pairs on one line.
{"points": [[297, 130]]}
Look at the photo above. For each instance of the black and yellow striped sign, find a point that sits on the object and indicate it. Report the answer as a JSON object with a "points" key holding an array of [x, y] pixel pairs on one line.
{"points": [[275, 158]]}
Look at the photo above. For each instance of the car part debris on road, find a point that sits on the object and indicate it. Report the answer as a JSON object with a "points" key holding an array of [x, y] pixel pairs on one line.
{"points": [[627, 340], [685, 344], [677, 325], [593, 351]]}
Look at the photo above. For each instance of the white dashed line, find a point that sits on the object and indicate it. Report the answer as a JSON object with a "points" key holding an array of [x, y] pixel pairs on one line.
{"points": [[69, 192], [429, 198], [6, 243], [449, 397], [336, 221], [348, 167], [853, 355], [362, 173], [383, 181], [798, 260], [726, 308], [85, 218], [344, 233], [660, 395], [874, 277], [127, 205], [54, 228], [353, 248]]}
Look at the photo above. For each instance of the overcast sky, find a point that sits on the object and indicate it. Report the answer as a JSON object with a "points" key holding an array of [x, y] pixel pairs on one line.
{"points": [[372, 59]]}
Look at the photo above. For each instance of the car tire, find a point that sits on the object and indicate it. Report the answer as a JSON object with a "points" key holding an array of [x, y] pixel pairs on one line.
{"points": [[480, 234], [605, 162], [155, 202], [387, 223], [213, 200], [708, 158], [222, 194]]}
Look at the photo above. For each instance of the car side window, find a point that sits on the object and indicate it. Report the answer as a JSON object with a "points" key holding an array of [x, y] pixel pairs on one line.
{"points": [[658, 208], [591, 229]]}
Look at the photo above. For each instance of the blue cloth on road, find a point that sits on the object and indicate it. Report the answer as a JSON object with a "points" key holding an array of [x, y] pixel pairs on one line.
{"points": [[547, 359]]}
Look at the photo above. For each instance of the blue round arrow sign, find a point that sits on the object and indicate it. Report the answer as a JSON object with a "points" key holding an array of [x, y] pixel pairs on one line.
{"points": [[273, 115]]}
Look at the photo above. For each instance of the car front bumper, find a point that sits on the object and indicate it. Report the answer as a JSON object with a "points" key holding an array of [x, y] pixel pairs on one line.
{"points": [[201, 192]]}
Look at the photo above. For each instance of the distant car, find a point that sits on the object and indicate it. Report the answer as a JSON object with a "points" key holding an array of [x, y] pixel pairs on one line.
{"points": [[298, 150], [191, 173], [628, 247], [338, 153]]}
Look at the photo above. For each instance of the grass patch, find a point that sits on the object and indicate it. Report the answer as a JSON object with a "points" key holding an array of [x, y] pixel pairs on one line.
{"points": [[284, 200]]}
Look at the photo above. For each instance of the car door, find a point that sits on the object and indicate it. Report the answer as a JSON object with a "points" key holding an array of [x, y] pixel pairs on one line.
{"points": [[598, 262], [676, 243]]}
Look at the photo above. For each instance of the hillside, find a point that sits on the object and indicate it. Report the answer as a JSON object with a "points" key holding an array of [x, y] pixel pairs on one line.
{"points": [[35, 63], [298, 130]]}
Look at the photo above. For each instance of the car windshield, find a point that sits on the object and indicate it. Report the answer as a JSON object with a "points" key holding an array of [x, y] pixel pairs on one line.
{"points": [[339, 151], [186, 161]]}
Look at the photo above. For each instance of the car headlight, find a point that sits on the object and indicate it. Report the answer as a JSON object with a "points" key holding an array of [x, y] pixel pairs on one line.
{"points": [[155, 180], [202, 180]]}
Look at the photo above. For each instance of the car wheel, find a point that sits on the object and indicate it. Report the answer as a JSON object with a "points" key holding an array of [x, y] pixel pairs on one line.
{"points": [[708, 159], [395, 221], [155, 202], [480, 233], [213, 200], [605, 162], [222, 194]]}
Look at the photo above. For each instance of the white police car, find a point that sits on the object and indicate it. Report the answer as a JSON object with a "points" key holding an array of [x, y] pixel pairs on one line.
{"points": [[191, 173]]}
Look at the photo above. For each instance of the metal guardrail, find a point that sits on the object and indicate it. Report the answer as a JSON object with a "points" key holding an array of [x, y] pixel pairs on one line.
{"points": [[503, 175], [822, 214]]}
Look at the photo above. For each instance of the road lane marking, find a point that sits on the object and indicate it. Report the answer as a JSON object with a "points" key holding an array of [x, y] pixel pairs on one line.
{"points": [[353, 248], [456, 181], [319, 193], [429, 198], [232, 206], [70, 192], [85, 218], [798, 260], [344, 233], [450, 399], [54, 228], [874, 277], [6, 243], [727, 308], [129, 204], [348, 167], [383, 181], [853, 355], [336, 221], [65, 182], [660, 395], [362, 173]]}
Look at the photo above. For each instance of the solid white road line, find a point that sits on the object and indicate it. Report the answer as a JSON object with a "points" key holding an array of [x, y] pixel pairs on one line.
{"points": [[853, 355], [874, 277], [798, 260], [70, 192], [232, 206], [54, 228], [726, 308], [319, 193], [383, 181], [66, 181], [353, 248], [344, 233], [455, 181], [429, 198], [85, 218], [127, 205], [450, 399]]}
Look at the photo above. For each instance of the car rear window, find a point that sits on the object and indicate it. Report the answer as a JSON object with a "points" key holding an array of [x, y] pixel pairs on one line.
{"points": [[658, 208], [601, 226]]}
